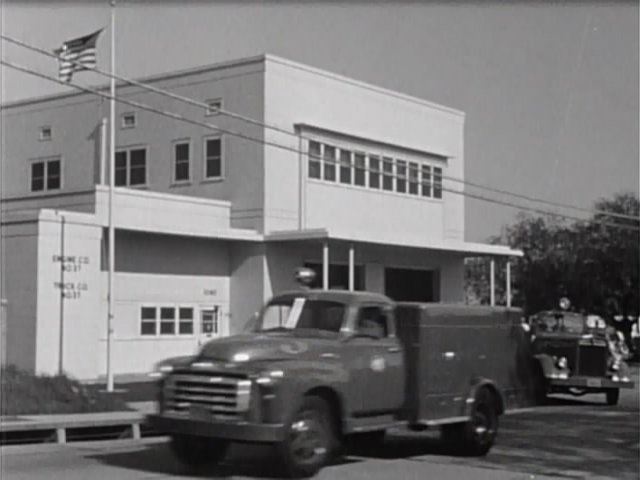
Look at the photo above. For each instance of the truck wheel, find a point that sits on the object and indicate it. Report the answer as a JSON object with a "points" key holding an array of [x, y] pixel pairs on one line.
{"points": [[308, 441], [613, 395], [197, 452], [479, 433]]}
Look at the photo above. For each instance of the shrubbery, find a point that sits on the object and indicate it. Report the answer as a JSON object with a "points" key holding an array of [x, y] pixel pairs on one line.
{"points": [[24, 393]]}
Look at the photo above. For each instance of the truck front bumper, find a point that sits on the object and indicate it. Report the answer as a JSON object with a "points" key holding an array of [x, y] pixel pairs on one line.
{"points": [[588, 383], [234, 431]]}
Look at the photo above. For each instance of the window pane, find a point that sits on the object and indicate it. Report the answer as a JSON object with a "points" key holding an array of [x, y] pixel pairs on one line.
{"points": [[167, 320], [213, 147], [138, 170], [121, 169], [148, 313], [345, 166], [167, 313], [167, 328], [413, 178], [185, 313], [138, 158], [213, 168], [138, 176], [121, 160], [182, 152], [314, 159], [437, 182], [329, 163], [374, 172], [372, 322], [426, 181], [182, 171], [148, 328], [401, 180], [37, 176], [53, 183], [387, 177], [53, 168], [186, 328], [359, 178]]}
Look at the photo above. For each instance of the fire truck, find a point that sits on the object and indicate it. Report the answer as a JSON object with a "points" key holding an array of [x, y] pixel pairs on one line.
{"points": [[318, 368]]}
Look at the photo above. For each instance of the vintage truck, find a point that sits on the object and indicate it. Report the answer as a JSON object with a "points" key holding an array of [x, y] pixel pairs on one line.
{"points": [[317, 368], [576, 354]]}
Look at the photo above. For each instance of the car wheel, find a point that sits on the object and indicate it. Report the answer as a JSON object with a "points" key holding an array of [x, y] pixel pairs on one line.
{"points": [[480, 432], [197, 452], [308, 440], [613, 395]]}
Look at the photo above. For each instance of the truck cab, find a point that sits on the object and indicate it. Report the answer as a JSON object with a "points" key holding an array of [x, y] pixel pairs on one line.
{"points": [[317, 367]]}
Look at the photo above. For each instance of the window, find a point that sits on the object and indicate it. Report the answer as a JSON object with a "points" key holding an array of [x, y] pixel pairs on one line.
{"points": [[372, 322], [345, 166], [374, 171], [209, 321], [401, 180], [426, 180], [128, 120], [413, 178], [314, 159], [213, 158], [360, 170], [214, 106], [45, 134], [131, 167], [329, 163], [387, 173], [437, 182], [181, 162], [148, 319], [45, 175], [166, 320]]}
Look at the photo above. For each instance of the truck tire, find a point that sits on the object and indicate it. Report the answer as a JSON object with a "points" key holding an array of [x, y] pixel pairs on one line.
{"points": [[198, 452], [613, 395], [479, 433], [309, 439]]}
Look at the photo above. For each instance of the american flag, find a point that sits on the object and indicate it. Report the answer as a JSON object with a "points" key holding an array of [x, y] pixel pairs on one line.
{"points": [[77, 54]]}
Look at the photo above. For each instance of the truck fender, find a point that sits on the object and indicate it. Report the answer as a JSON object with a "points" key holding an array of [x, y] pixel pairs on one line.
{"points": [[477, 385], [545, 362], [332, 396]]}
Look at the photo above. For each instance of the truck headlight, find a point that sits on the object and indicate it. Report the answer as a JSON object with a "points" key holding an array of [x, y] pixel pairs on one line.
{"points": [[269, 377], [562, 363], [161, 371]]}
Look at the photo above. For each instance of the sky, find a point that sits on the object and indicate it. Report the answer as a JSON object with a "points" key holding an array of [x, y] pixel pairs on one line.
{"points": [[549, 89]]}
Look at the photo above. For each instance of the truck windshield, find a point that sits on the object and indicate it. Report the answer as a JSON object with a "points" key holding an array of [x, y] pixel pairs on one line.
{"points": [[560, 322], [301, 313]]}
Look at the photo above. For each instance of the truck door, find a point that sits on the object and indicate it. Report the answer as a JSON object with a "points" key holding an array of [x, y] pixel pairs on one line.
{"points": [[377, 374]]}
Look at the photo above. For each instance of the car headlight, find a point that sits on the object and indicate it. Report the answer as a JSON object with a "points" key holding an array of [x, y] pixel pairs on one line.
{"points": [[269, 377], [562, 363], [161, 371]]}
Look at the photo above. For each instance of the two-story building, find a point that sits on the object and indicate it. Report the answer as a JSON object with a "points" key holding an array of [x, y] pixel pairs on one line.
{"points": [[212, 217]]}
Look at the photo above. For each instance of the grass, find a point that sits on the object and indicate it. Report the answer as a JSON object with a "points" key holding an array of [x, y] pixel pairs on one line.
{"points": [[23, 393]]}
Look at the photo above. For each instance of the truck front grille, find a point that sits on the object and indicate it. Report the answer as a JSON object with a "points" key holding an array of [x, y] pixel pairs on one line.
{"points": [[593, 361], [207, 395]]}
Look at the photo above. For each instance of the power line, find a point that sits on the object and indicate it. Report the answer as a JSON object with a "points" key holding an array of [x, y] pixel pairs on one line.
{"points": [[213, 127], [253, 121]]}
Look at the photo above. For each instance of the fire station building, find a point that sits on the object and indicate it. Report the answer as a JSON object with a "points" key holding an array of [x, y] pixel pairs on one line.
{"points": [[352, 180]]}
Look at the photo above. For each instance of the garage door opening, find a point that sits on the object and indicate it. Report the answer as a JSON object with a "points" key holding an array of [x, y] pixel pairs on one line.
{"points": [[410, 285]]}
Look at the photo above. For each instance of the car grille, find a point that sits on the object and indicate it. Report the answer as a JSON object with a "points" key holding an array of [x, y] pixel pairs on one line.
{"points": [[593, 361], [207, 395]]}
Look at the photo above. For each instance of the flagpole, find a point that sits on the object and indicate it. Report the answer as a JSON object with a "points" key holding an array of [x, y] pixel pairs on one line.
{"points": [[111, 231]]}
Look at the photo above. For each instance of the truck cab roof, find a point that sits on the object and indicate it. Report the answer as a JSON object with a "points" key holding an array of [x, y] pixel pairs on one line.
{"points": [[342, 296]]}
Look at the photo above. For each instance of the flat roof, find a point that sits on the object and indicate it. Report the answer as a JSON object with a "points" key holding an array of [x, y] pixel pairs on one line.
{"points": [[470, 248]]}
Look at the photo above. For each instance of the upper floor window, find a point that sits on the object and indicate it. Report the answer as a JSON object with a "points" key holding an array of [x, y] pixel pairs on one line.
{"points": [[426, 180], [131, 167], [345, 166], [214, 106], [401, 174], [46, 175], [387, 173], [413, 178], [45, 134], [213, 158], [374, 171], [437, 182], [329, 163], [181, 161], [128, 120], [315, 159], [360, 169]]}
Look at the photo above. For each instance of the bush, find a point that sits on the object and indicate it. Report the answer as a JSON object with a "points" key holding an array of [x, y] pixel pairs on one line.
{"points": [[23, 393]]}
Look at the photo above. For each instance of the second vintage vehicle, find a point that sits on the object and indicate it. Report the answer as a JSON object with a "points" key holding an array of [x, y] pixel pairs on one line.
{"points": [[319, 367], [576, 354]]}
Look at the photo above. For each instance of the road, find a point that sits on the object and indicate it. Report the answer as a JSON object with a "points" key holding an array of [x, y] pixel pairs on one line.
{"points": [[568, 439]]}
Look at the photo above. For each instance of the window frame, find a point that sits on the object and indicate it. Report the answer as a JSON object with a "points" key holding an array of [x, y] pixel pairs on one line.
{"points": [[374, 173], [211, 112], [330, 162], [157, 321], [437, 184], [360, 169], [388, 331], [45, 176], [41, 133], [123, 120], [314, 159], [174, 163], [127, 150], [402, 167], [220, 177]]}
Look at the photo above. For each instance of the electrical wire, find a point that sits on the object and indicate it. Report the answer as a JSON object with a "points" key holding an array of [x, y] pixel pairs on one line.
{"points": [[205, 106], [213, 127]]}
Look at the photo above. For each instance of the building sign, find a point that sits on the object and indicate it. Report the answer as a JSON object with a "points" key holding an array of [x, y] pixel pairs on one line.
{"points": [[71, 266]]}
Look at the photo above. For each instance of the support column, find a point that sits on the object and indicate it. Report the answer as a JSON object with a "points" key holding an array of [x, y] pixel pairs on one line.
{"points": [[508, 283], [351, 268], [325, 265], [492, 282]]}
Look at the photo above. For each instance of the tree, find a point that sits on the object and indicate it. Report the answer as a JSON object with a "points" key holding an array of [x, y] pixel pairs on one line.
{"points": [[594, 264]]}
